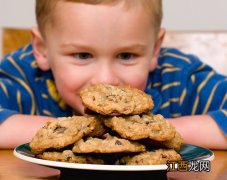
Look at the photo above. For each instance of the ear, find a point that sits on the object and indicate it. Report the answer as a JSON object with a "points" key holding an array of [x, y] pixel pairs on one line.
{"points": [[39, 50], [157, 48]]}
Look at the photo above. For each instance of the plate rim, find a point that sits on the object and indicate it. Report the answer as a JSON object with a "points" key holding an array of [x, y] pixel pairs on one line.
{"points": [[100, 167]]}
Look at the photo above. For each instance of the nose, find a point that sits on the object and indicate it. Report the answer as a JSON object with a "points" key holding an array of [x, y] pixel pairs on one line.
{"points": [[105, 74]]}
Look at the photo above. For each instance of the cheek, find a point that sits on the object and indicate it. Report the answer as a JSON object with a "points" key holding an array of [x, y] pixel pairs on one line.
{"points": [[69, 77], [66, 81], [138, 81], [69, 87], [69, 82], [135, 77]]}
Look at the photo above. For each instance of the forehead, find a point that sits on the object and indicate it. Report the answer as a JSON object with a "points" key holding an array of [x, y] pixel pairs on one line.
{"points": [[68, 15], [126, 5], [45, 9], [101, 26]]}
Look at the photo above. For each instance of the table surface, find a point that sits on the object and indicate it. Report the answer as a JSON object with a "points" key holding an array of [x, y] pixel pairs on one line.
{"points": [[13, 168]]}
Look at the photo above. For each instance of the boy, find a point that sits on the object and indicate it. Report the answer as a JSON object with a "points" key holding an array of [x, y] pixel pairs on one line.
{"points": [[80, 43]]}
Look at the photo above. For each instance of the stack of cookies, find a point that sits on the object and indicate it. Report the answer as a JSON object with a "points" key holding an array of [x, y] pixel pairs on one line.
{"points": [[121, 130]]}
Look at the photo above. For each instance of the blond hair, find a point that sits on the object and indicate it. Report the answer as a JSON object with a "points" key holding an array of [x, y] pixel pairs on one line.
{"points": [[45, 8]]}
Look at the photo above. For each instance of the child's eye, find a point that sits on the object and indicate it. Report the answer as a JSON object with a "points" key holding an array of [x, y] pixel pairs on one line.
{"points": [[126, 56], [83, 55]]}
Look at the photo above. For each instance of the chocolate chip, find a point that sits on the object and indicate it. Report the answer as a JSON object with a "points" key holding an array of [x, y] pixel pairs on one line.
{"points": [[60, 130], [93, 98], [163, 156], [117, 142], [147, 122]]}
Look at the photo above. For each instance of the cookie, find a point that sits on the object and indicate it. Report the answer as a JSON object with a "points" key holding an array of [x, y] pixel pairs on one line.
{"points": [[109, 145], [69, 156], [174, 143], [160, 156], [100, 128], [61, 132], [143, 126], [116, 100]]}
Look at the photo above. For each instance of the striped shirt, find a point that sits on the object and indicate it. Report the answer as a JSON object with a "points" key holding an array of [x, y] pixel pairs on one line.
{"points": [[180, 85]]}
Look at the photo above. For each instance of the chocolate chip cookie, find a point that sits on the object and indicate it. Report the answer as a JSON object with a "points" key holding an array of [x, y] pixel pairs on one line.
{"points": [[69, 156], [174, 143], [109, 145], [160, 156], [61, 132], [143, 126], [116, 100]]}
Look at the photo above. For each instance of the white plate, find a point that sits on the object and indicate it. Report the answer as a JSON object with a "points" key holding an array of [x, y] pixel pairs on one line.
{"points": [[188, 153]]}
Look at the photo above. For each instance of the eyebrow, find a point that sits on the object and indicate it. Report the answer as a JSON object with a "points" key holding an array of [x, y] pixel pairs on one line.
{"points": [[140, 47], [131, 47], [74, 45]]}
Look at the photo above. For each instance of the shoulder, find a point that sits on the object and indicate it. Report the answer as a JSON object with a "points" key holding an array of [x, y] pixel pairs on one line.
{"points": [[171, 57], [23, 54], [18, 62]]}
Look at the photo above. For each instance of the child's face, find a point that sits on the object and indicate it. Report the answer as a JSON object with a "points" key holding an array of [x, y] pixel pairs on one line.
{"points": [[91, 44]]}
